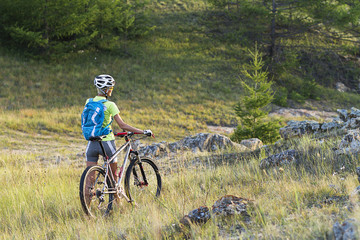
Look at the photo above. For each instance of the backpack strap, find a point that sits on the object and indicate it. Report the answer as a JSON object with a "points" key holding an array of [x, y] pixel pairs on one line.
{"points": [[109, 123], [102, 101]]}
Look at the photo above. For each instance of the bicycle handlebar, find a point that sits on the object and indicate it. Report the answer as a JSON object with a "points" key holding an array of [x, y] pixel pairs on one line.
{"points": [[120, 134], [129, 134], [123, 134]]}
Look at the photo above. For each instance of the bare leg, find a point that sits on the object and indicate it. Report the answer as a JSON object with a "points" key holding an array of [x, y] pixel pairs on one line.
{"points": [[113, 167], [88, 163], [89, 184]]}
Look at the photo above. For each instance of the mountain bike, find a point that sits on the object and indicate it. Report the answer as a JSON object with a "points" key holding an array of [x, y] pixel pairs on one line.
{"points": [[99, 190]]}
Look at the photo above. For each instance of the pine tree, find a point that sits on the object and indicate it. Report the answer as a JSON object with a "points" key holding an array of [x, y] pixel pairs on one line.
{"points": [[251, 107], [62, 26]]}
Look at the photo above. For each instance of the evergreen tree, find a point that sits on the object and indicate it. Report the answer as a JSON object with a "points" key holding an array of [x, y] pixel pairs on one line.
{"points": [[56, 27], [251, 107]]}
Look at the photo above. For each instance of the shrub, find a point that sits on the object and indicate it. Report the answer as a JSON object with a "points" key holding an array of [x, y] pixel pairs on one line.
{"points": [[280, 97]]}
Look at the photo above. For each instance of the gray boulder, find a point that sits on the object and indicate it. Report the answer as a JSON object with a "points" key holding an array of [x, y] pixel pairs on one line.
{"points": [[299, 128], [230, 205], [353, 123], [226, 206], [197, 216], [286, 157], [343, 114], [355, 113], [341, 87], [202, 142], [208, 142], [252, 143], [345, 231], [344, 121], [350, 144], [328, 126]]}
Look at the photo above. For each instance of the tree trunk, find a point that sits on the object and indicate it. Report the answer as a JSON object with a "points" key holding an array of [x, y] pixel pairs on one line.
{"points": [[272, 49], [46, 24]]}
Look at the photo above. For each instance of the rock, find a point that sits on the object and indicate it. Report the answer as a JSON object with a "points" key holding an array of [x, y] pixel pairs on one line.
{"points": [[350, 144], [137, 144], [197, 216], [358, 173], [286, 157], [299, 128], [287, 133], [343, 114], [230, 205], [344, 121], [174, 147], [152, 150], [354, 123], [200, 142], [328, 126], [208, 142], [341, 87], [345, 231], [225, 207], [252, 143], [355, 113], [356, 191]]}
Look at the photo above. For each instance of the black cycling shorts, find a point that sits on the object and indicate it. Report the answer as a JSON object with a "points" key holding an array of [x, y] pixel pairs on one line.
{"points": [[93, 150]]}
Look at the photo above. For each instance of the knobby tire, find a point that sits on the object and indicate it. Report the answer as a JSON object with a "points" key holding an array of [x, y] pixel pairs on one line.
{"points": [[136, 188], [93, 201]]}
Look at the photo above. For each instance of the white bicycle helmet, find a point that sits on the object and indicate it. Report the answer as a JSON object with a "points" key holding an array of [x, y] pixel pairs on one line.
{"points": [[104, 81]]}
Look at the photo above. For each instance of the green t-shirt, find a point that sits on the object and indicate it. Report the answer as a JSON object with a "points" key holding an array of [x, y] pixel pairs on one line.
{"points": [[110, 111]]}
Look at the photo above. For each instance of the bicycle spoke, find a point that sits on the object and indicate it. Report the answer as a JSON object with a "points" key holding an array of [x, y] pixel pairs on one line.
{"points": [[95, 199], [142, 181]]}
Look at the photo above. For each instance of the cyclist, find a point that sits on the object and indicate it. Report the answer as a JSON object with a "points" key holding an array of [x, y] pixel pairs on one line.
{"points": [[105, 85]]}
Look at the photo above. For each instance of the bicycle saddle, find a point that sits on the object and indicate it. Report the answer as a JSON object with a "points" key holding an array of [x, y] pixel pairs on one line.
{"points": [[97, 138]]}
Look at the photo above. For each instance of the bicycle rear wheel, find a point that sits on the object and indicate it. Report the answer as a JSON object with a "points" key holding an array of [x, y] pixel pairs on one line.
{"points": [[142, 180], [94, 192]]}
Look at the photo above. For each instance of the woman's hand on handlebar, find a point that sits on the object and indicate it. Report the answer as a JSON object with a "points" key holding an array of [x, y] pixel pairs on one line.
{"points": [[149, 133]]}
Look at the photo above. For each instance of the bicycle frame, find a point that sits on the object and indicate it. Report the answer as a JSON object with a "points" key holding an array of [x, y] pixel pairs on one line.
{"points": [[108, 172], [98, 188]]}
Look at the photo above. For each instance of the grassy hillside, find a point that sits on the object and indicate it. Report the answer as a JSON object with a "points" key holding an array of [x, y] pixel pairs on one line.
{"points": [[169, 79], [181, 78], [175, 82]]}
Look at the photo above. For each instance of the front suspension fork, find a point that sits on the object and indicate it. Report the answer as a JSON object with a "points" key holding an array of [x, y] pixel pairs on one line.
{"points": [[138, 159]]}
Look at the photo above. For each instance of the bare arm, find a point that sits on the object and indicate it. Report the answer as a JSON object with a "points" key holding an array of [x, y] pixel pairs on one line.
{"points": [[125, 126]]}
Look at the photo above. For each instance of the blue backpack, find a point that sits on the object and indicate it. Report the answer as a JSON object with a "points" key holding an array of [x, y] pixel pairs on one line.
{"points": [[92, 119]]}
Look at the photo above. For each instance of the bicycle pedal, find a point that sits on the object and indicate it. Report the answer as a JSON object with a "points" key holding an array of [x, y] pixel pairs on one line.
{"points": [[98, 193]]}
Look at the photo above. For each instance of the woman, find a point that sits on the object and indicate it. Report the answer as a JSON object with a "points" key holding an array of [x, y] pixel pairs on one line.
{"points": [[105, 85]]}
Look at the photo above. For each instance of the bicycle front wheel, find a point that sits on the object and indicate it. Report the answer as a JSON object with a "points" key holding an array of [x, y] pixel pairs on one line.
{"points": [[95, 195], [142, 180]]}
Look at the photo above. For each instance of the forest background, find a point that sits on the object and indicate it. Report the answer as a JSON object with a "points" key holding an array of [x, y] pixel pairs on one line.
{"points": [[178, 67]]}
